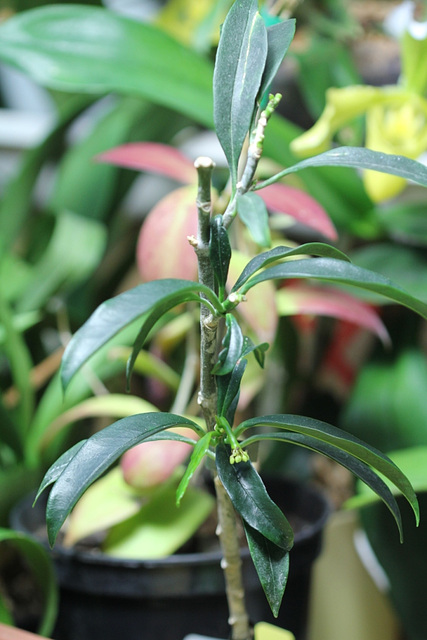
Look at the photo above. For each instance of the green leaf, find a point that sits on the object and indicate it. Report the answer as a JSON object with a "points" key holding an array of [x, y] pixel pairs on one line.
{"points": [[95, 456], [229, 390], [239, 66], [219, 252], [257, 349], [107, 502], [411, 461], [264, 259], [197, 457], [359, 468], [53, 473], [337, 437], [341, 272], [406, 265], [93, 50], [359, 158], [251, 500], [271, 564], [279, 38], [232, 347], [117, 313], [253, 213], [112, 405], [41, 566]]}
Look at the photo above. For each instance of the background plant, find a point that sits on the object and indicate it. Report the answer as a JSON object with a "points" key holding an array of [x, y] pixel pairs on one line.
{"points": [[246, 45], [177, 98]]}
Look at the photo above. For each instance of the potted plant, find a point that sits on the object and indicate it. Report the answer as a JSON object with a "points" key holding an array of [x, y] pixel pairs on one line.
{"points": [[248, 57]]}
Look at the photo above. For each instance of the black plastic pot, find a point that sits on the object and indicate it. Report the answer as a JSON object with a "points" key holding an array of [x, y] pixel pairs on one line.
{"points": [[103, 598]]}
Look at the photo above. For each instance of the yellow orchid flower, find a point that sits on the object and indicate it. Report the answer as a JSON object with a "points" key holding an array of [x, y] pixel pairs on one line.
{"points": [[396, 116]]}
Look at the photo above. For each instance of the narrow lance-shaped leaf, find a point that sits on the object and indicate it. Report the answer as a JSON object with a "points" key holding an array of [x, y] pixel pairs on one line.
{"points": [[279, 38], [251, 500], [341, 272], [232, 347], [96, 455], [271, 564], [197, 457], [117, 313], [329, 434], [229, 390], [360, 469], [253, 213], [264, 259], [219, 252], [359, 158], [239, 67]]}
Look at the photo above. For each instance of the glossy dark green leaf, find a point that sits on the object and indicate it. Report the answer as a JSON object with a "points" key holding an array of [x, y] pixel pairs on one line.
{"points": [[279, 38], [250, 499], [197, 457], [360, 158], [95, 456], [117, 313], [94, 50], [219, 251], [239, 66], [41, 566], [264, 259], [359, 468], [331, 435], [272, 566], [406, 265], [232, 347], [53, 473], [229, 390], [253, 213], [330, 270]]}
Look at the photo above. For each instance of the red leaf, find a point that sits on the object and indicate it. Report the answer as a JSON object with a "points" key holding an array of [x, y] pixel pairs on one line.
{"points": [[163, 250], [280, 198], [152, 156], [298, 299]]}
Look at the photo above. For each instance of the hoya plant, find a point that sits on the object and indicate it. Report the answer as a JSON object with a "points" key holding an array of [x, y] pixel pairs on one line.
{"points": [[248, 57]]}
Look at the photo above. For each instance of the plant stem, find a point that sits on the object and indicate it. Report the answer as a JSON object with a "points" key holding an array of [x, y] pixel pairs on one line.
{"points": [[208, 323], [227, 526], [231, 564]]}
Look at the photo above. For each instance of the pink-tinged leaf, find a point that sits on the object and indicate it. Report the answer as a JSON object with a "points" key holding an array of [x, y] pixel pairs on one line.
{"points": [[298, 299], [280, 198], [151, 463], [163, 250], [259, 310], [154, 157]]}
